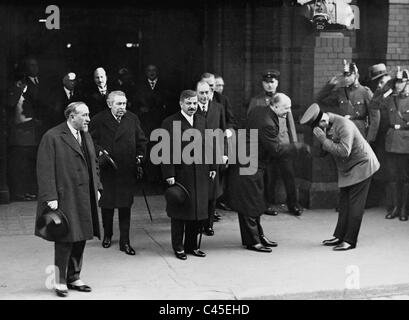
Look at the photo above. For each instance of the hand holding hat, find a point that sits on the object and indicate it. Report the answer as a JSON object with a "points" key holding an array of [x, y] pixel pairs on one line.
{"points": [[53, 204], [319, 134]]}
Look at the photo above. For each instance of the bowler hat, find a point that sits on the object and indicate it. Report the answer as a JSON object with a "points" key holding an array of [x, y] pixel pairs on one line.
{"points": [[52, 224], [105, 161], [270, 74], [377, 70], [176, 194], [312, 115]]}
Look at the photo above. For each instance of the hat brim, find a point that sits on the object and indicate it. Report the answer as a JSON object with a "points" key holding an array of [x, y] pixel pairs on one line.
{"points": [[379, 75], [53, 224]]}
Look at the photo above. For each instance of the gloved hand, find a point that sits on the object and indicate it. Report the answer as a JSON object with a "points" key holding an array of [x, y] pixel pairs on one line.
{"points": [[319, 134]]}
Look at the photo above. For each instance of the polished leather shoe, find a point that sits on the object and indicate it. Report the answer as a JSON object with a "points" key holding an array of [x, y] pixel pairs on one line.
{"points": [[343, 246], [223, 206], [217, 216], [197, 253], [331, 242], [296, 210], [271, 211], [106, 243], [259, 248], [209, 231], [181, 255], [392, 214], [267, 243], [61, 293], [127, 249], [403, 218], [82, 288]]}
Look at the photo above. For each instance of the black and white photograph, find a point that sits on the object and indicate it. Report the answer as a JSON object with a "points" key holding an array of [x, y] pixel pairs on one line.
{"points": [[221, 153]]}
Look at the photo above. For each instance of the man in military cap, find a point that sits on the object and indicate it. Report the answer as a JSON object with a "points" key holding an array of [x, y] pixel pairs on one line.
{"points": [[284, 163], [344, 95], [356, 163], [378, 126], [397, 144]]}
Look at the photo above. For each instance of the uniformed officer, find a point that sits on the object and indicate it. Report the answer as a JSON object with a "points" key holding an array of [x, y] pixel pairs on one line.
{"points": [[397, 144], [284, 163], [346, 96], [356, 163]]}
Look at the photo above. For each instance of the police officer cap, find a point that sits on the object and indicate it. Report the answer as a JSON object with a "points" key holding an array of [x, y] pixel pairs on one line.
{"points": [[377, 70], [270, 74], [176, 194], [53, 224], [312, 115], [402, 75], [349, 68]]}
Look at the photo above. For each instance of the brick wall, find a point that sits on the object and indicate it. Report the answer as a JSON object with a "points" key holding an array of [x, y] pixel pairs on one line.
{"points": [[398, 34]]}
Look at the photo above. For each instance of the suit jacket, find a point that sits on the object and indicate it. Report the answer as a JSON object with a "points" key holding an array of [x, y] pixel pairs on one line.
{"points": [[63, 175], [124, 142], [58, 101], [264, 100], [353, 156], [96, 101], [215, 119], [230, 120], [192, 176], [152, 106]]}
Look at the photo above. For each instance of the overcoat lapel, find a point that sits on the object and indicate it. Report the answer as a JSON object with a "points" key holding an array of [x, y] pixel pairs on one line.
{"points": [[71, 141]]}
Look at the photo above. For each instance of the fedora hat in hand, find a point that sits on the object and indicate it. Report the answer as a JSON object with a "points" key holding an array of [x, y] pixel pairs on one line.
{"points": [[176, 194], [52, 224]]}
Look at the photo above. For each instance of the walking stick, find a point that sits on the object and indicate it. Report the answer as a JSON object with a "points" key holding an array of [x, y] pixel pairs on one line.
{"points": [[146, 202], [200, 237]]}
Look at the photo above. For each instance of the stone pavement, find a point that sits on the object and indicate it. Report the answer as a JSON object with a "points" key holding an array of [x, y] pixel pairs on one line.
{"points": [[299, 268]]}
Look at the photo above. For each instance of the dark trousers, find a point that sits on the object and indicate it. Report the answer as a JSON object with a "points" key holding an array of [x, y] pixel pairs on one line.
{"points": [[68, 260], [187, 228], [124, 223], [210, 211], [351, 210], [283, 167], [250, 230]]}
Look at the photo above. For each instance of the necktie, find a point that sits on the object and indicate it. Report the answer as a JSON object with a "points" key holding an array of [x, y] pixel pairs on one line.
{"points": [[71, 94], [79, 137], [118, 119], [152, 84]]}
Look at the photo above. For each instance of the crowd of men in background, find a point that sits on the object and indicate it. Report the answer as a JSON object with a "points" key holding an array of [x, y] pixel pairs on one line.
{"points": [[381, 117]]}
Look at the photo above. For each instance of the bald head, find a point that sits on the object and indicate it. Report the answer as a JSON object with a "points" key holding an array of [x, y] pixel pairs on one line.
{"points": [[281, 104], [100, 77]]}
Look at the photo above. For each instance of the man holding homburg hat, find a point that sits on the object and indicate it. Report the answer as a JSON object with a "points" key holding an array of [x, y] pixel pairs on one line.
{"points": [[68, 185], [356, 163], [188, 192]]}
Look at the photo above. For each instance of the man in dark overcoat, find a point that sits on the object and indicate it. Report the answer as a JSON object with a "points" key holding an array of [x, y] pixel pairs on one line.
{"points": [[187, 218], [68, 180], [117, 132], [213, 112], [246, 191]]}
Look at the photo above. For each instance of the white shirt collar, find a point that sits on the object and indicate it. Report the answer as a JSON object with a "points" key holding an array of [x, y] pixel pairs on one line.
{"points": [[206, 106], [115, 117], [33, 79], [188, 118], [103, 89], [211, 95], [73, 131]]}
